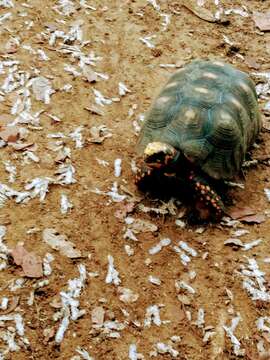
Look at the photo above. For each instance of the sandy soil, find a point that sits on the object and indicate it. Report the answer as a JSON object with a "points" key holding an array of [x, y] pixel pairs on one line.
{"points": [[96, 224]]}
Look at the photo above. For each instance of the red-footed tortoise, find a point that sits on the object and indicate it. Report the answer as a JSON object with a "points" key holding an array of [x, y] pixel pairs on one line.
{"points": [[199, 128]]}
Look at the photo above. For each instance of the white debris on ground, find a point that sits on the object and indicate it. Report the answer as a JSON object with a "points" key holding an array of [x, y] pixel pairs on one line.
{"points": [[117, 167], [154, 280], [76, 136], [113, 193], [42, 89], [101, 100], [127, 295], [133, 354], [182, 285], [162, 348], [112, 274], [65, 174], [230, 334], [70, 303], [129, 250], [11, 169], [47, 270], [60, 243], [254, 281], [44, 66], [39, 187], [66, 205], [147, 41], [185, 252], [243, 246], [158, 247], [122, 89], [263, 323], [152, 316], [6, 193], [84, 354], [200, 319], [267, 193], [13, 337]]}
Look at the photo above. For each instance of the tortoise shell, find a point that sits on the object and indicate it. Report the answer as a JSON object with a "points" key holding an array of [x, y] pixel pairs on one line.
{"points": [[208, 110]]}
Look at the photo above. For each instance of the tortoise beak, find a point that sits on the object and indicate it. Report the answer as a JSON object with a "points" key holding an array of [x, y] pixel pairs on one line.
{"points": [[158, 154]]}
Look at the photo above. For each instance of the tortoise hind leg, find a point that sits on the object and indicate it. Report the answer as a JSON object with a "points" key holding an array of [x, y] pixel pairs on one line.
{"points": [[207, 202]]}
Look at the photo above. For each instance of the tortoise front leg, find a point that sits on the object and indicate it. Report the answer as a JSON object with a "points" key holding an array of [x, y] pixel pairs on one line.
{"points": [[143, 172], [207, 202]]}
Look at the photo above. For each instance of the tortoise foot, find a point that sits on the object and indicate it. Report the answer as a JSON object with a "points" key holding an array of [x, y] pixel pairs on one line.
{"points": [[143, 173], [207, 202]]}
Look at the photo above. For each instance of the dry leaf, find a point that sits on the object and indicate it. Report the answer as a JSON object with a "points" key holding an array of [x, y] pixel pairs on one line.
{"points": [[10, 134], [9, 48], [22, 146], [237, 213], [30, 263], [94, 110], [99, 134], [60, 243], [89, 74], [252, 63], [262, 20], [61, 157], [5, 119], [235, 242], [139, 225], [201, 12], [18, 253], [257, 218]]}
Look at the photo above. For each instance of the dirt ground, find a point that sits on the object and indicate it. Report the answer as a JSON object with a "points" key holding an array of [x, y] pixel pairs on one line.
{"points": [[152, 304]]}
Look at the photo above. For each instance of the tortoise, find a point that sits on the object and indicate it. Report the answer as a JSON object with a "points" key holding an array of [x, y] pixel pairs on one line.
{"points": [[199, 129]]}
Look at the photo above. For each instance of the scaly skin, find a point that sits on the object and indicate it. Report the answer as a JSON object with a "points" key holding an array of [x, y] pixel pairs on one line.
{"points": [[142, 172], [161, 159], [207, 200], [147, 169]]}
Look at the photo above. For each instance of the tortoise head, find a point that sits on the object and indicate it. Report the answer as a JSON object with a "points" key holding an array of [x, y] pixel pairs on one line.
{"points": [[157, 154]]}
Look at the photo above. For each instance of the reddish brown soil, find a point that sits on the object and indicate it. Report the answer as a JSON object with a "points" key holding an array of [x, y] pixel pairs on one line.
{"points": [[114, 30]]}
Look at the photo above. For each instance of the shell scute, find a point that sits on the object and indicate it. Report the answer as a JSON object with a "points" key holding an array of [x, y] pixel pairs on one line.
{"points": [[212, 116]]}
